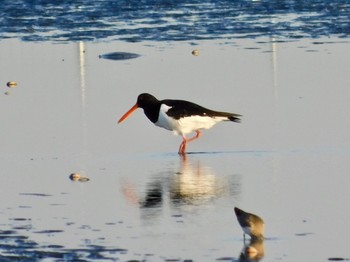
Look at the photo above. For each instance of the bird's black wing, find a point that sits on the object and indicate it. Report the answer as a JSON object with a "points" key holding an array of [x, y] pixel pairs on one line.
{"points": [[182, 108]]}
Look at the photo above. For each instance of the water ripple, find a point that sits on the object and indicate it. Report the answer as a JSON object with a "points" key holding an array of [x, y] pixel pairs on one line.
{"points": [[134, 21]]}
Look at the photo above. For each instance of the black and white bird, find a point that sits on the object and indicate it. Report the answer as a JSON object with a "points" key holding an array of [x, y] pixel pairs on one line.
{"points": [[179, 116]]}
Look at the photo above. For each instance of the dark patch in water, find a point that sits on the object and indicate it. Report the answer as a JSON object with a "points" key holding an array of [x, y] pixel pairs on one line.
{"points": [[254, 152], [7, 232], [225, 259], [337, 259], [303, 234], [35, 194], [252, 48], [55, 246], [271, 238], [14, 247], [48, 231], [110, 223], [119, 56], [20, 219], [25, 227]]}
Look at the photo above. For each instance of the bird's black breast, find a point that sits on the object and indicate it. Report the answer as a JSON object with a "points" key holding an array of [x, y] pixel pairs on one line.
{"points": [[152, 112]]}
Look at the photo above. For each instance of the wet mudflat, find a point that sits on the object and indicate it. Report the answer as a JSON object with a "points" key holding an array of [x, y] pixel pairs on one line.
{"points": [[288, 161]]}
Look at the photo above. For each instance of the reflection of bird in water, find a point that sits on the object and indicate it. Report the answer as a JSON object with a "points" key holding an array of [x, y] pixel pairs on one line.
{"points": [[154, 197], [195, 184], [251, 224], [180, 116], [192, 184], [253, 251]]}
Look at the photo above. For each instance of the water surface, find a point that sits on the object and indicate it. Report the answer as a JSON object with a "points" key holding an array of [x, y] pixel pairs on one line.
{"points": [[287, 161], [283, 65], [150, 20]]}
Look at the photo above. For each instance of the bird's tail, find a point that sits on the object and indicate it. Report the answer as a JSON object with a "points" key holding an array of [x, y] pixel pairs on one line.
{"points": [[235, 118]]}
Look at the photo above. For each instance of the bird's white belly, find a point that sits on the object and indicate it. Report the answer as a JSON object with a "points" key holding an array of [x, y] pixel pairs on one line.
{"points": [[185, 125], [247, 230]]}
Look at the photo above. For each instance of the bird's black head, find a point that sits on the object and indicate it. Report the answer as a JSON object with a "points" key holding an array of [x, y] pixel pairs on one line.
{"points": [[144, 100], [150, 106], [238, 211]]}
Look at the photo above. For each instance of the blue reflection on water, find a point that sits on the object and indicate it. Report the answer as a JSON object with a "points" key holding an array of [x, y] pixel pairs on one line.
{"points": [[165, 20]]}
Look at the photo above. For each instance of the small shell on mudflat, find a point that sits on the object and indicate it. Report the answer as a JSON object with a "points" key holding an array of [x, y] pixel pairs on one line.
{"points": [[78, 177], [11, 84], [195, 52]]}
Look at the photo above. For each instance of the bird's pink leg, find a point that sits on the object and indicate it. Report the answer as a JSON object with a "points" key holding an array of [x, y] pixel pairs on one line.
{"points": [[182, 148], [198, 134]]}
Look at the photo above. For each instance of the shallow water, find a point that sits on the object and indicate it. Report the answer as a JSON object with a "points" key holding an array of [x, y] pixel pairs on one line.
{"points": [[287, 161]]}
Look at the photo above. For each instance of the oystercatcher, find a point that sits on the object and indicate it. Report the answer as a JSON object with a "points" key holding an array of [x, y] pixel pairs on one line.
{"points": [[251, 224], [180, 116]]}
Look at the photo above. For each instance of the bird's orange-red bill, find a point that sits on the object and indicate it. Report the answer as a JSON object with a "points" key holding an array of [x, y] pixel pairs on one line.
{"points": [[127, 114]]}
